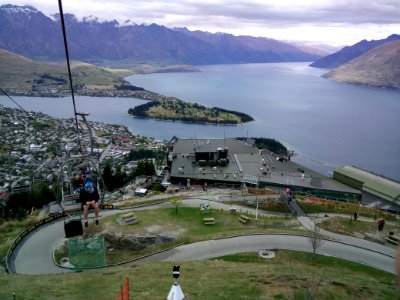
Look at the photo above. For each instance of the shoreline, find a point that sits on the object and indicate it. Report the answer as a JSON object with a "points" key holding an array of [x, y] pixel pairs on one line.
{"points": [[137, 94]]}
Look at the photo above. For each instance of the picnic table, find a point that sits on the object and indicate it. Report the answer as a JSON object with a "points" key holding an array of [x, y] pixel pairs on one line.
{"points": [[209, 221], [244, 219]]}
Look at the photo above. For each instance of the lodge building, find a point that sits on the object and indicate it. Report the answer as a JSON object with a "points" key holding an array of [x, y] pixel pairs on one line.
{"points": [[236, 163]]}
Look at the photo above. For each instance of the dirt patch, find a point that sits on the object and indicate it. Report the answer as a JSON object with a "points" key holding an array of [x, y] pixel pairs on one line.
{"points": [[158, 229], [151, 236], [133, 242]]}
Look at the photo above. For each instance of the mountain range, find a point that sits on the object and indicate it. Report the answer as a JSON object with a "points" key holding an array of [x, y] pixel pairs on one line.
{"points": [[26, 31], [379, 67], [350, 52]]}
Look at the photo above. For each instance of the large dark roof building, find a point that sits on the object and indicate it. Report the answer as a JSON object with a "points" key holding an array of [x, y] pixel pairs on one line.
{"points": [[236, 162]]}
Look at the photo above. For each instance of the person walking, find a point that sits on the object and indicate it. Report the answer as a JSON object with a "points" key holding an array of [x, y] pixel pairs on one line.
{"points": [[381, 224]]}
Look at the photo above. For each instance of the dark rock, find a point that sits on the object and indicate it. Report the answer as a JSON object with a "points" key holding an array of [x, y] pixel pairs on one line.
{"points": [[119, 241]]}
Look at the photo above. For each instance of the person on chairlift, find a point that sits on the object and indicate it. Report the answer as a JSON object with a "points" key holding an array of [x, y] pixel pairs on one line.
{"points": [[89, 197]]}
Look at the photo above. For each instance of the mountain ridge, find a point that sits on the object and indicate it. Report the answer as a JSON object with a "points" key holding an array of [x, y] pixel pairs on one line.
{"points": [[39, 36], [379, 67], [348, 53]]}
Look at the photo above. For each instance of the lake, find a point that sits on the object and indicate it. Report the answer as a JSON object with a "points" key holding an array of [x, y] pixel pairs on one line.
{"points": [[326, 123]]}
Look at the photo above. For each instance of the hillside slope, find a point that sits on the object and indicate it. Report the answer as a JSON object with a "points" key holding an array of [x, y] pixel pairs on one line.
{"points": [[350, 52], [379, 67], [21, 75]]}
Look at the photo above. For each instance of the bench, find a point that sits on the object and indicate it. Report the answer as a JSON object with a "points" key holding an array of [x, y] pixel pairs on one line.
{"points": [[244, 219], [209, 221], [70, 203], [393, 239], [71, 199], [129, 219]]}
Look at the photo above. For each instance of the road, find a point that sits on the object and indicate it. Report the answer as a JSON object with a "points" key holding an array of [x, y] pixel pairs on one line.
{"points": [[34, 255]]}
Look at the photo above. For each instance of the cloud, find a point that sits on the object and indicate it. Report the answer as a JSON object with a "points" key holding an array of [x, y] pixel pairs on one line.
{"points": [[256, 16]]}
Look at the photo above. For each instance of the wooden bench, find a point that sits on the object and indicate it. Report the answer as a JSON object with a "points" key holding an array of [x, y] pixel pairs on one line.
{"points": [[393, 239], [129, 219], [70, 203], [209, 221], [244, 219], [71, 199]]}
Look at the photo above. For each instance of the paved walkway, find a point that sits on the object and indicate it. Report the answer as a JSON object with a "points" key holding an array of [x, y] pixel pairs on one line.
{"points": [[253, 243], [34, 255]]}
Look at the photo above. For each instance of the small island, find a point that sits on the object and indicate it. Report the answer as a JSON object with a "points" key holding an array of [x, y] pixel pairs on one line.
{"points": [[178, 110]]}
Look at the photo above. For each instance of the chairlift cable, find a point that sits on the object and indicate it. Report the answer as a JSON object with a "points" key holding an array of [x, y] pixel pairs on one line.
{"points": [[76, 114], [4, 92], [68, 64]]}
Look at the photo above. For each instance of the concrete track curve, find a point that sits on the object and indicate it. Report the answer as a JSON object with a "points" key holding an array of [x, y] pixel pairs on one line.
{"points": [[253, 243], [34, 254]]}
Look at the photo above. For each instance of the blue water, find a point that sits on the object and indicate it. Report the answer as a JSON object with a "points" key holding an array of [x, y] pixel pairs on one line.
{"points": [[326, 123]]}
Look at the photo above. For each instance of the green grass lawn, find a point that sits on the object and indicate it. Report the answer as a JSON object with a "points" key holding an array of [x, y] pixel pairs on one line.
{"points": [[360, 227], [290, 275], [189, 221], [344, 208], [188, 227], [9, 230]]}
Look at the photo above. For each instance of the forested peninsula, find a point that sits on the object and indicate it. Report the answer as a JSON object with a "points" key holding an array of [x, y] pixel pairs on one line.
{"points": [[178, 110]]}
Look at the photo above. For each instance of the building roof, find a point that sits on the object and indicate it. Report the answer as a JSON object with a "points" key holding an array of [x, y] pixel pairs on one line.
{"points": [[202, 145], [246, 164], [140, 191], [372, 183]]}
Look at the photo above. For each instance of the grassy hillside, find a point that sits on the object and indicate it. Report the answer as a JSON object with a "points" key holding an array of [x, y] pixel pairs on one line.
{"points": [[289, 275], [379, 67], [21, 75]]}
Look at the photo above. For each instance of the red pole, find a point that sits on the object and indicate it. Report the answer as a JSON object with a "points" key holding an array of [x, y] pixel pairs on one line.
{"points": [[126, 289]]}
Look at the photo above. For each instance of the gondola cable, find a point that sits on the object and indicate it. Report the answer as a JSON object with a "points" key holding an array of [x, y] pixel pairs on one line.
{"points": [[82, 115], [9, 97], [69, 67]]}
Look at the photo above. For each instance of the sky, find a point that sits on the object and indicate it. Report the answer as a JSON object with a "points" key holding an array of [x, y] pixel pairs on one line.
{"points": [[332, 22]]}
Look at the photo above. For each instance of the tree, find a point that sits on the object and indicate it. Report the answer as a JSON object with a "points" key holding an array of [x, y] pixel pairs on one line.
{"points": [[21, 203], [145, 167], [114, 179], [315, 238], [40, 195], [119, 177], [108, 176], [149, 167], [176, 202]]}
